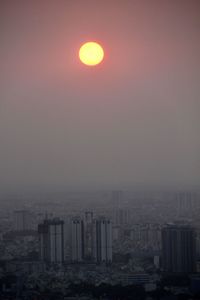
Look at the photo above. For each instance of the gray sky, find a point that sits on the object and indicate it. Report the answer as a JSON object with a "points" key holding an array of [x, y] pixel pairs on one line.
{"points": [[132, 120]]}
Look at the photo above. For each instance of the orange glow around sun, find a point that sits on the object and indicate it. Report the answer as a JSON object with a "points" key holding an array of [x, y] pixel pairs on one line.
{"points": [[91, 54]]}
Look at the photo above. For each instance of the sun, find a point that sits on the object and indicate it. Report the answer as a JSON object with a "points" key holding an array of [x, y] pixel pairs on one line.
{"points": [[91, 54]]}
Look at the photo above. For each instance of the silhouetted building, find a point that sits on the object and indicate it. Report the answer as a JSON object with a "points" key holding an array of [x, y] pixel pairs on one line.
{"points": [[185, 203], [102, 238], [22, 220], [198, 243], [178, 249], [122, 216], [51, 241], [88, 235], [77, 240]]}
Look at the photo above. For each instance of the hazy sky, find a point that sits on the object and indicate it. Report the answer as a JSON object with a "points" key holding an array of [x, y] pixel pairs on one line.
{"points": [[134, 119]]}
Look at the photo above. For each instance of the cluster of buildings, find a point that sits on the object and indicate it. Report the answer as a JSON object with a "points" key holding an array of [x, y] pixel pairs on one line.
{"points": [[113, 243], [142, 236], [90, 239]]}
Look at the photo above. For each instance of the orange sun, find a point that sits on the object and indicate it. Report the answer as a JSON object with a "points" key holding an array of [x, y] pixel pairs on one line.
{"points": [[91, 54]]}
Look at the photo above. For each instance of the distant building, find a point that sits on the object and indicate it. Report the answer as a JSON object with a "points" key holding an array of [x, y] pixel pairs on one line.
{"points": [[198, 243], [178, 249], [147, 235], [51, 241], [67, 236], [22, 220], [122, 216], [88, 235], [135, 234], [117, 233], [187, 203], [77, 240], [102, 247]]}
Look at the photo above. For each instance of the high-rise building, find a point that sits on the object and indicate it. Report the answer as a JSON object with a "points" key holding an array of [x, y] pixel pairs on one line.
{"points": [[198, 243], [67, 236], [146, 235], [187, 203], [102, 240], [22, 220], [77, 239], [88, 235], [51, 241], [122, 216], [178, 249]]}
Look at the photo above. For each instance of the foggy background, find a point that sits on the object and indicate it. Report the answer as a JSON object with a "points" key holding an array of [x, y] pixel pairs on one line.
{"points": [[133, 120]]}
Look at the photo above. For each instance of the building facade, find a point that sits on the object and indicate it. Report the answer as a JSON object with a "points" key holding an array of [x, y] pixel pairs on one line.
{"points": [[22, 220], [178, 249], [51, 241], [88, 235], [77, 240], [102, 240]]}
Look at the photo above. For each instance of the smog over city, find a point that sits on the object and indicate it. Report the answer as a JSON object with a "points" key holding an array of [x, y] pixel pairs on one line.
{"points": [[100, 149]]}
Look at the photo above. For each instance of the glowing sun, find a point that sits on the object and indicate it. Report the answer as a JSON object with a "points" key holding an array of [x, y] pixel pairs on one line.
{"points": [[91, 54]]}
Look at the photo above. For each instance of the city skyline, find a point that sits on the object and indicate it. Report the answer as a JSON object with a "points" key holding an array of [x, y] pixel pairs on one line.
{"points": [[86, 244], [100, 149]]}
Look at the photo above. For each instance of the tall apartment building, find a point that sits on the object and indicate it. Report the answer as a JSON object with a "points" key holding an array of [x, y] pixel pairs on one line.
{"points": [[121, 216], [178, 249], [22, 220], [102, 240], [77, 239], [88, 235], [51, 241]]}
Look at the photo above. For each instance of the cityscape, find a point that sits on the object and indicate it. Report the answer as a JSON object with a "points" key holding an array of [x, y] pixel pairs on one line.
{"points": [[100, 150], [99, 245]]}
